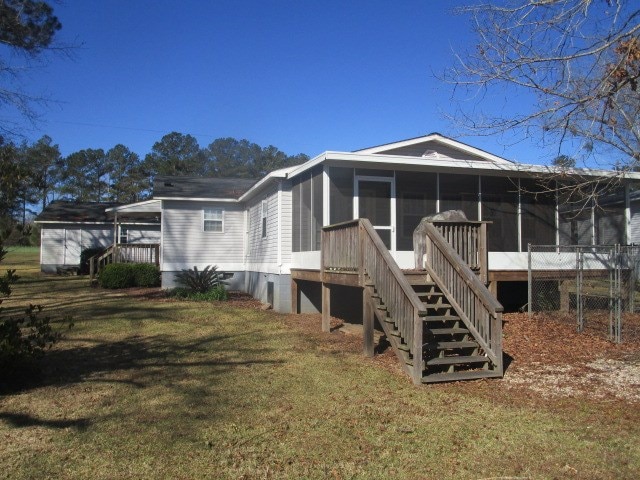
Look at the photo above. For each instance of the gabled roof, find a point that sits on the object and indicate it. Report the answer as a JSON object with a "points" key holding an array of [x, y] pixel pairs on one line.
{"points": [[174, 187], [76, 212], [430, 146]]}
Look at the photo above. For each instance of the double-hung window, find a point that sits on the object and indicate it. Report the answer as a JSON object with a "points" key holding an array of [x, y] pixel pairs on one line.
{"points": [[124, 235], [213, 220], [263, 215]]}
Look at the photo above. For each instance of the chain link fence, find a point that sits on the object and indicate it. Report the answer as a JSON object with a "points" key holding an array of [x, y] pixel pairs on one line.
{"points": [[594, 287]]}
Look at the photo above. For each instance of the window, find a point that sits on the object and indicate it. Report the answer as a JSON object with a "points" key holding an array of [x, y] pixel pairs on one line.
{"points": [[213, 220], [124, 235], [264, 210]]}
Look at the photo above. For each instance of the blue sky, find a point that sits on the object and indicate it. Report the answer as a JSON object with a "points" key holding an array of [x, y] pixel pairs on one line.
{"points": [[305, 76]]}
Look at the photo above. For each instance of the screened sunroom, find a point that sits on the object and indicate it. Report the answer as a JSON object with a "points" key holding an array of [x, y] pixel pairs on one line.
{"points": [[521, 210]]}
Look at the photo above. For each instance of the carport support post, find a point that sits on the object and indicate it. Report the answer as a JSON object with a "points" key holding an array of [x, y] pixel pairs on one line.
{"points": [[367, 322], [326, 307]]}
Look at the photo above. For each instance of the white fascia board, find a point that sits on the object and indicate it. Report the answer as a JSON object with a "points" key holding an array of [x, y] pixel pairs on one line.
{"points": [[309, 164], [190, 199], [72, 222], [356, 159], [403, 143], [275, 175], [133, 206], [440, 139]]}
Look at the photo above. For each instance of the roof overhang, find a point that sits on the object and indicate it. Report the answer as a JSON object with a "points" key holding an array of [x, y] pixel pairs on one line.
{"points": [[506, 168], [147, 206]]}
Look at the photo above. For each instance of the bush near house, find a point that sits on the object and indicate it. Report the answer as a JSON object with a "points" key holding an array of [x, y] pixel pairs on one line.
{"points": [[125, 275], [218, 293], [201, 281]]}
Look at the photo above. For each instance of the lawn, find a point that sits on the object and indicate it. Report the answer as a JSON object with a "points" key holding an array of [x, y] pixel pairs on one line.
{"points": [[150, 388]]}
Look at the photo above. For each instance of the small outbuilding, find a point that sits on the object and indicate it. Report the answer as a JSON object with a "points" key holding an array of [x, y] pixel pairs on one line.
{"points": [[67, 228]]}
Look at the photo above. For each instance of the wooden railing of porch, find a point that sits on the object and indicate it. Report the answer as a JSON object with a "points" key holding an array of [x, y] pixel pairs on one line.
{"points": [[476, 306], [125, 253], [354, 247], [468, 239]]}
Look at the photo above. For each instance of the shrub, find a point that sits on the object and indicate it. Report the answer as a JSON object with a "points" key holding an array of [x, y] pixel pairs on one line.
{"points": [[85, 255], [146, 275], [125, 275], [117, 275], [23, 338], [201, 281], [218, 293]]}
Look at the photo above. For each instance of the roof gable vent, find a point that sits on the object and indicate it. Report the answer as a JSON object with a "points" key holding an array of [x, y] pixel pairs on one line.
{"points": [[430, 154]]}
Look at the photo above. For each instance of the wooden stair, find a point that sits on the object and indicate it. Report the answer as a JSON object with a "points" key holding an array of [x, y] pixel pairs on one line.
{"points": [[449, 352]]}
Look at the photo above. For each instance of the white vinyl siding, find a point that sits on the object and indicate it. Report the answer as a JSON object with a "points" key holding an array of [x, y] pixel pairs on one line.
{"points": [[285, 222], [634, 227], [185, 244], [63, 244], [143, 233], [261, 249]]}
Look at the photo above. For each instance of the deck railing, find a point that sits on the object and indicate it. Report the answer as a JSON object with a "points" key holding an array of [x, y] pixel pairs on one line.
{"points": [[468, 295], [125, 253], [468, 240], [355, 247]]}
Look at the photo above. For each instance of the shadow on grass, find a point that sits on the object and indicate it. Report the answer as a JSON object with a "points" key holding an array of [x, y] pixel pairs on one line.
{"points": [[20, 420], [145, 361]]}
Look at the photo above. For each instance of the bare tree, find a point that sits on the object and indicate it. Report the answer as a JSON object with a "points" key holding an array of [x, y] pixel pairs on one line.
{"points": [[27, 29], [579, 60]]}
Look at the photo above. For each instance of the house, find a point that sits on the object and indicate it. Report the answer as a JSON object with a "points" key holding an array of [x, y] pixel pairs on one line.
{"points": [[292, 239], [67, 228], [265, 230]]}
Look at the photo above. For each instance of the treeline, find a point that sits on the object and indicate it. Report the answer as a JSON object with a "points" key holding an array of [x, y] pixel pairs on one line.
{"points": [[32, 175]]}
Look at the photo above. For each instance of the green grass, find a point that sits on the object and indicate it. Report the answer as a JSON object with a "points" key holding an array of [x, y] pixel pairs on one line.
{"points": [[169, 389]]}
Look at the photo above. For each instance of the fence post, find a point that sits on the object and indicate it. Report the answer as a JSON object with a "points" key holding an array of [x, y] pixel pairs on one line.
{"points": [[579, 293], [529, 282]]}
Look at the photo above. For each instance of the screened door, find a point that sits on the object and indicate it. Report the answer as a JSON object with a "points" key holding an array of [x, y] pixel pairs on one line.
{"points": [[375, 202]]}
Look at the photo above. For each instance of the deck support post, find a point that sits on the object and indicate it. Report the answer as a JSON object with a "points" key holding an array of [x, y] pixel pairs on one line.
{"points": [[367, 322], [326, 307], [417, 349], [294, 296]]}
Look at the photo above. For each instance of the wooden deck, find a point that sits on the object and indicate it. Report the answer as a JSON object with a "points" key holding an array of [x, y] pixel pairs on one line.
{"points": [[440, 319]]}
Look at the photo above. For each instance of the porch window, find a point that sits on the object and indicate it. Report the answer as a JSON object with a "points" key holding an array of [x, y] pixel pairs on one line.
{"points": [[538, 204], [500, 206], [416, 199], [610, 218], [307, 211], [340, 194], [213, 220], [459, 192]]}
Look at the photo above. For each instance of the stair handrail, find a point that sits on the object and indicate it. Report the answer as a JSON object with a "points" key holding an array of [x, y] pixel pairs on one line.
{"points": [[475, 305], [400, 299], [355, 247]]}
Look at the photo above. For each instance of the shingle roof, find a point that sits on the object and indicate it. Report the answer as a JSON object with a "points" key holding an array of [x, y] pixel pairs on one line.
{"points": [[68, 211], [199, 187]]}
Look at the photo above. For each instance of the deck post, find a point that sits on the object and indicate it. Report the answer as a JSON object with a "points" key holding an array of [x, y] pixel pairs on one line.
{"points": [[367, 322], [417, 349], [483, 262], [294, 296], [326, 307]]}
